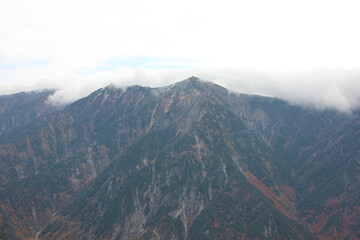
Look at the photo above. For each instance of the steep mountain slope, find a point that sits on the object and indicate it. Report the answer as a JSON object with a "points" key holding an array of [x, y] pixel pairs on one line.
{"points": [[329, 190], [322, 150], [188, 185], [73, 145], [186, 161], [17, 110]]}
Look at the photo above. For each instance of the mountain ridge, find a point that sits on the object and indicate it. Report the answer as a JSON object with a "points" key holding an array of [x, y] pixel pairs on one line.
{"points": [[237, 146]]}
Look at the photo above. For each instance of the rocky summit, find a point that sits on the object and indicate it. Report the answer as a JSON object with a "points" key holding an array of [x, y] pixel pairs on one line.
{"points": [[187, 161]]}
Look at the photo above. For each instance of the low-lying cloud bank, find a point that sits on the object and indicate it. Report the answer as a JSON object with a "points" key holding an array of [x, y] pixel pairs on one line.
{"points": [[319, 88]]}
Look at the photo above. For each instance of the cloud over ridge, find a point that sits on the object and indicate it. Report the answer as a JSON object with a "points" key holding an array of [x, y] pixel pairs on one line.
{"points": [[319, 88]]}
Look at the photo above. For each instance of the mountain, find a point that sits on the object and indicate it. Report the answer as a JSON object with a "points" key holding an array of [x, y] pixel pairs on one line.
{"points": [[186, 161], [17, 110]]}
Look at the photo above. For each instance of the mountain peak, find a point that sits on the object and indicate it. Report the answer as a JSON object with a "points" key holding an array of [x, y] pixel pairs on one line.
{"points": [[194, 82], [193, 79]]}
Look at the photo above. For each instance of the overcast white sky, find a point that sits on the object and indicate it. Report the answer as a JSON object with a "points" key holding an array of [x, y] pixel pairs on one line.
{"points": [[304, 51]]}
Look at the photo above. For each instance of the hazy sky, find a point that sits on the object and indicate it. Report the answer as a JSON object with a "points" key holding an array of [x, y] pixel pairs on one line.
{"points": [[305, 51]]}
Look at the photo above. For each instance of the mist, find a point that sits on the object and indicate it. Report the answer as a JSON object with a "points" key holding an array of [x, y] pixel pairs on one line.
{"points": [[317, 88], [320, 88]]}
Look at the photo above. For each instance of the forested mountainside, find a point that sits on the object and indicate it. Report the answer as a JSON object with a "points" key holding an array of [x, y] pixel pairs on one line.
{"points": [[186, 161], [18, 110]]}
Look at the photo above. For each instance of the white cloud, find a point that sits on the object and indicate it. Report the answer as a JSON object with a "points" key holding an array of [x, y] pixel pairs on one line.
{"points": [[67, 38], [320, 88]]}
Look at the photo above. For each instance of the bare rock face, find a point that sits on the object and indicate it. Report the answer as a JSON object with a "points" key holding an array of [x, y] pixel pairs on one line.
{"points": [[186, 161]]}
